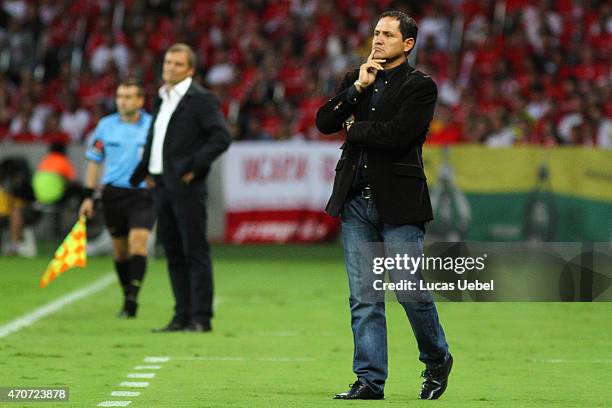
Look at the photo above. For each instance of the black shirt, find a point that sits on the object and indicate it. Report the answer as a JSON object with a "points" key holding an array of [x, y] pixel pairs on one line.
{"points": [[353, 96]]}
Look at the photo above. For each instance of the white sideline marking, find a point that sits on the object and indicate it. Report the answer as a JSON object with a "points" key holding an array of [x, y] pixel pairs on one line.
{"points": [[241, 358], [132, 384], [125, 394], [141, 375], [156, 359], [135, 384], [562, 361], [147, 367], [56, 305]]}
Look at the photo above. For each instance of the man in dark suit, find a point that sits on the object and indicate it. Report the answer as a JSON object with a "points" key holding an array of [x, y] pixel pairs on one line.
{"points": [[381, 194], [187, 134]]}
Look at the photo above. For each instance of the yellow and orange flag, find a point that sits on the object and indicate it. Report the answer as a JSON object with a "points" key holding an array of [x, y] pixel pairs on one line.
{"points": [[71, 253]]}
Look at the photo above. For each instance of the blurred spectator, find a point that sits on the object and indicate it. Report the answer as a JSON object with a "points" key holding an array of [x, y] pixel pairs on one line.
{"points": [[305, 127], [255, 132], [15, 194], [501, 134], [74, 119], [16, 9], [55, 184], [546, 133], [6, 112], [56, 161], [52, 132], [524, 131], [222, 71], [442, 130], [109, 52], [20, 43], [55, 180], [477, 129], [436, 25], [24, 127], [449, 90], [97, 113], [571, 118], [545, 64], [581, 134], [539, 106]]}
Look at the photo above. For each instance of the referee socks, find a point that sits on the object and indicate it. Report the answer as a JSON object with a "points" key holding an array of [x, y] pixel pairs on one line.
{"points": [[131, 273], [138, 266], [123, 272]]}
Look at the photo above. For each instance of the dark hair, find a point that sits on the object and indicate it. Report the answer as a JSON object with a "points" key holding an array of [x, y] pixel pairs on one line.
{"points": [[15, 177], [133, 82], [408, 27], [57, 147]]}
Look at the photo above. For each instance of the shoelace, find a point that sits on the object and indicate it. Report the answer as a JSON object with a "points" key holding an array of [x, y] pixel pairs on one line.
{"points": [[428, 374]]}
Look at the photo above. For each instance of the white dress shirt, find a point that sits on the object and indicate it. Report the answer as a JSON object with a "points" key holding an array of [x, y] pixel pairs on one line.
{"points": [[170, 99]]}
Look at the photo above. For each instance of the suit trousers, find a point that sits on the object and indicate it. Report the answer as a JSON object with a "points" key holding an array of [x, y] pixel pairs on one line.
{"points": [[181, 223], [361, 226]]}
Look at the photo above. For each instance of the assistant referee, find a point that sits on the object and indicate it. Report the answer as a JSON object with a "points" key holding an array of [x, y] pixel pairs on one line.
{"points": [[118, 143]]}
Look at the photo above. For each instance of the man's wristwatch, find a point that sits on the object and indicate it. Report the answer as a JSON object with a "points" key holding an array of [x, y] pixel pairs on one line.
{"points": [[360, 85]]}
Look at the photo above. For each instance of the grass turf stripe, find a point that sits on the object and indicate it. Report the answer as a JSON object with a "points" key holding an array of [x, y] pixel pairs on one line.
{"points": [[57, 305]]}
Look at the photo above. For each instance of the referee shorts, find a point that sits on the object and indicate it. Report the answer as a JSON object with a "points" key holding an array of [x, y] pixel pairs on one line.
{"points": [[126, 209]]}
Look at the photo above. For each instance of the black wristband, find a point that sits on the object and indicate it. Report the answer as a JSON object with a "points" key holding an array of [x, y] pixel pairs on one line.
{"points": [[88, 192]]}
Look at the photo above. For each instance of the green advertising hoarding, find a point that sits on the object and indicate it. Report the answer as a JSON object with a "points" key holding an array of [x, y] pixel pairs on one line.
{"points": [[520, 193]]}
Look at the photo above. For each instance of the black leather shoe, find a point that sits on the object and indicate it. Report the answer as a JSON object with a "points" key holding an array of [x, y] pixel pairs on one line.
{"points": [[436, 380], [171, 327], [198, 327], [360, 390]]}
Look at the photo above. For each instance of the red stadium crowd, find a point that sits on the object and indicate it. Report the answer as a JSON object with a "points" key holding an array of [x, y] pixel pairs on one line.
{"points": [[508, 72]]}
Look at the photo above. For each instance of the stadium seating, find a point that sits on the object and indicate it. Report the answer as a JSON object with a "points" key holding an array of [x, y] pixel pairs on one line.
{"points": [[509, 72]]}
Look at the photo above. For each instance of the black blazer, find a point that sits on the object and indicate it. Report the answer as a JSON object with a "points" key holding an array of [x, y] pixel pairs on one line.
{"points": [[393, 137], [197, 134]]}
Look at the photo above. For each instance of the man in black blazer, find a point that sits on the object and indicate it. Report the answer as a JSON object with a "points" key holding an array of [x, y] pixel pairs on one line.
{"points": [[187, 134], [381, 193]]}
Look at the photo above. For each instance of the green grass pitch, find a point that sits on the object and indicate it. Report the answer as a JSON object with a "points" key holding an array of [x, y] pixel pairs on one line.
{"points": [[282, 338]]}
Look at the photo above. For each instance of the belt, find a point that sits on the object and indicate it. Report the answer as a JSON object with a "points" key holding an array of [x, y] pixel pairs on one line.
{"points": [[366, 192]]}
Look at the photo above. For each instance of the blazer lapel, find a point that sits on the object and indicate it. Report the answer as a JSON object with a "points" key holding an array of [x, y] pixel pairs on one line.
{"points": [[183, 102], [155, 108]]}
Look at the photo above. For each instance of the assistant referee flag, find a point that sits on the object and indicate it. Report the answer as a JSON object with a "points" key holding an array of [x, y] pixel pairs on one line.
{"points": [[71, 253]]}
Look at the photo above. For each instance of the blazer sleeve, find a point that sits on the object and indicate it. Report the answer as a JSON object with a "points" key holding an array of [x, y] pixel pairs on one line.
{"points": [[142, 168], [213, 124], [331, 116], [406, 127]]}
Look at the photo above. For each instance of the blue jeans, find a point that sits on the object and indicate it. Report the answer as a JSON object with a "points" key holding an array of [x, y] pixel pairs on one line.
{"points": [[361, 224]]}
